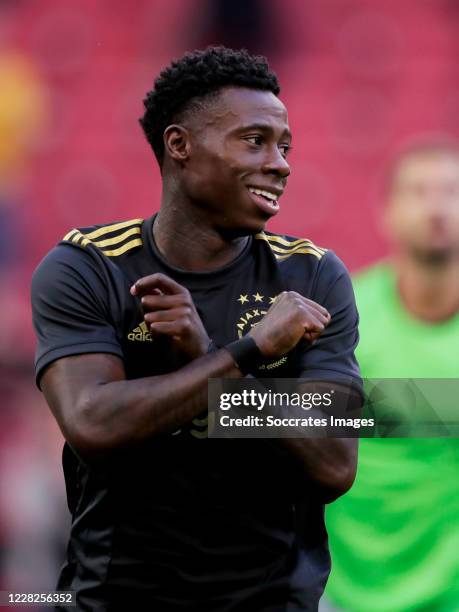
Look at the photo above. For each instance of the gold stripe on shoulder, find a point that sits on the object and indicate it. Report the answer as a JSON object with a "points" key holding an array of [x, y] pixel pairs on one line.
{"points": [[283, 248], [112, 228], [281, 240], [77, 237], [304, 251], [122, 249], [119, 238], [294, 243], [297, 249], [69, 234]]}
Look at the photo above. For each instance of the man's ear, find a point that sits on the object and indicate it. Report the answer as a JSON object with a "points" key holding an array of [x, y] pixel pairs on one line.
{"points": [[177, 142]]}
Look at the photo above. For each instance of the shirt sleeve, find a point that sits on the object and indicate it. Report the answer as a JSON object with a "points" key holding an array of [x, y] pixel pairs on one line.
{"points": [[70, 308], [332, 356]]}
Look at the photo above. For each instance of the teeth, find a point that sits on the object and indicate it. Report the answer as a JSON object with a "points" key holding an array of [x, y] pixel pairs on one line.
{"points": [[266, 194]]}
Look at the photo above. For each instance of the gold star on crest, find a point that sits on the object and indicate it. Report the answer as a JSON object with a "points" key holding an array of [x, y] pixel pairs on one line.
{"points": [[257, 297], [243, 299]]}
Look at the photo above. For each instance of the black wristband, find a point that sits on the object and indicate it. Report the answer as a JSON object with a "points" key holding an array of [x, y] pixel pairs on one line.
{"points": [[246, 354]]}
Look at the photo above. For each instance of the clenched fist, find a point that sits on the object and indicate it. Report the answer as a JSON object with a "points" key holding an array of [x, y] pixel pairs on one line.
{"points": [[291, 318]]}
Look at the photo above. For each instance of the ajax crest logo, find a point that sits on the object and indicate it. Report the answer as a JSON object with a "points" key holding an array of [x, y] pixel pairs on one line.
{"points": [[256, 306], [255, 310]]}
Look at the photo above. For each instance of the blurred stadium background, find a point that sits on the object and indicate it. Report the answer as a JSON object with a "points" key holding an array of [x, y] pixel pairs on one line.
{"points": [[358, 77]]}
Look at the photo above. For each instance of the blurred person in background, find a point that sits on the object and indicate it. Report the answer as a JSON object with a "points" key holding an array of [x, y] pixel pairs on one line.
{"points": [[394, 538]]}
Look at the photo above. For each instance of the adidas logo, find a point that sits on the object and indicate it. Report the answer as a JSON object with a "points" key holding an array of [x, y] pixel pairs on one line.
{"points": [[140, 333]]}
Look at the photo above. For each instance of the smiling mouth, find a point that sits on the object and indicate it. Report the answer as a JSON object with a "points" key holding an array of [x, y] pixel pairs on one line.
{"points": [[269, 196]]}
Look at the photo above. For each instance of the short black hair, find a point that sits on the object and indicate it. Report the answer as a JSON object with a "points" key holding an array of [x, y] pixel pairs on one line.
{"points": [[195, 76]]}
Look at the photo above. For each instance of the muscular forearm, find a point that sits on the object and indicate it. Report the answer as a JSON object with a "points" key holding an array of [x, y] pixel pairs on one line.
{"points": [[330, 464], [124, 412]]}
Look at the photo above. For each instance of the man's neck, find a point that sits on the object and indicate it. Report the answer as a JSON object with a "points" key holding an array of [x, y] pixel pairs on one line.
{"points": [[186, 241], [429, 292]]}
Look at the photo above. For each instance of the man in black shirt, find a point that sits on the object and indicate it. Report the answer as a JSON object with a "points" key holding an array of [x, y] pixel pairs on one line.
{"points": [[133, 318]]}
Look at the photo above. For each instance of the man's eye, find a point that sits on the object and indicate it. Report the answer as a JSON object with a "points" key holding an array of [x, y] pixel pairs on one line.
{"points": [[255, 140], [285, 149]]}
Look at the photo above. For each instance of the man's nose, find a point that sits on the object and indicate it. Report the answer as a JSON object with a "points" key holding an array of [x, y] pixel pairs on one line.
{"points": [[276, 164]]}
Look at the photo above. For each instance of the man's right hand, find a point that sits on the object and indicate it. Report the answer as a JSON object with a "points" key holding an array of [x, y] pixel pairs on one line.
{"points": [[291, 318], [169, 310]]}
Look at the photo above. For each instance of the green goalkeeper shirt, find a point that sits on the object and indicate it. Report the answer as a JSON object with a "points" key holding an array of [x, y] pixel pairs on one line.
{"points": [[394, 538]]}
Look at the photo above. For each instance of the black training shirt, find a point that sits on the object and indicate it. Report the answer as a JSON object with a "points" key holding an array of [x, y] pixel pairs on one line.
{"points": [[184, 522]]}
